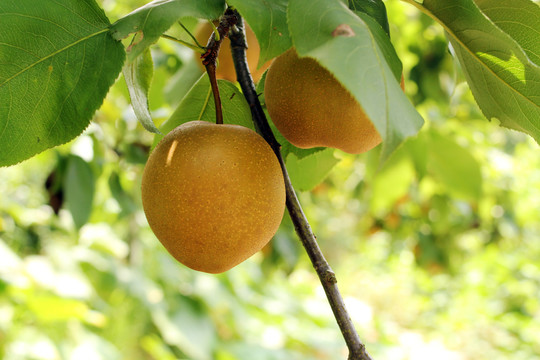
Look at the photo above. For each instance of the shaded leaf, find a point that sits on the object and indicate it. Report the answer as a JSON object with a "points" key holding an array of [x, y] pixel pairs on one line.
{"points": [[357, 60], [57, 63], [120, 195], [138, 75], [79, 185], [375, 9], [153, 19]]}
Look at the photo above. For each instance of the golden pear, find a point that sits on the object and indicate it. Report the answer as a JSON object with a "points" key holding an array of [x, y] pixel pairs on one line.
{"points": [[213, 194], [225, 69], [311, 108]]}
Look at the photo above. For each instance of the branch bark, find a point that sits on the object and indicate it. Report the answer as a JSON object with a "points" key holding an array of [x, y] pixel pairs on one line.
{"points": [[327, 277], [209, 58]]}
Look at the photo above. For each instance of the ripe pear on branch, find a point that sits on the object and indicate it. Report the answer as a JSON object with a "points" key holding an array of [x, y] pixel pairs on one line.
{"points": [[213, 194], [311, 108]]}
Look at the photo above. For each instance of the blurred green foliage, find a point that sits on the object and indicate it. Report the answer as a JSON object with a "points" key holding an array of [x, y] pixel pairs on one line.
{"points": [[436, 251]]}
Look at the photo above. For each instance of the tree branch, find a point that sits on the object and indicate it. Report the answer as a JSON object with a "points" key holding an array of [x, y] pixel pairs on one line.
{"points": [[327, 277], [209, 58]]}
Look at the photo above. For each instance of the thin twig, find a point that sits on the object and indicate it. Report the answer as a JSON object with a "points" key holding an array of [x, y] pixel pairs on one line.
{"points": [[327, 277], [209, 58]]}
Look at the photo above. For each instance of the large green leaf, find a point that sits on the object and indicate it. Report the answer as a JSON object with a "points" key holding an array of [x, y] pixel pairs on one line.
{"points": [[268, 20], [152, 20], [503, 79], [57, 63], [351, 50]]}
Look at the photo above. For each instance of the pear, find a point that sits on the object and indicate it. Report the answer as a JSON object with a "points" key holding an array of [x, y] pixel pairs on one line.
{"points": [[213, 194], [225, 69], [310, 108]]}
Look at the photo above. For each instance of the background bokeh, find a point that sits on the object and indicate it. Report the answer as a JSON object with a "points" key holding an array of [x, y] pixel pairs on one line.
{"points": [[436, 251]]}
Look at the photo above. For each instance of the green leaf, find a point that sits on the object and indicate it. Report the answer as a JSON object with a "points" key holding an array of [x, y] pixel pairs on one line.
{"points": [[346, 45], [152, 20], [57, 63], [138, 74], [50, 308], [385, 45], [392, 181], [503, 79], [198, 104], [454, 166], [79, 185], [518, 18], [311, 170], [268, 20]]}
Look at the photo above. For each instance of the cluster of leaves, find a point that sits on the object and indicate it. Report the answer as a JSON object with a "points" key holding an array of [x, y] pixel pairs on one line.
{"points": [[54, 82]]}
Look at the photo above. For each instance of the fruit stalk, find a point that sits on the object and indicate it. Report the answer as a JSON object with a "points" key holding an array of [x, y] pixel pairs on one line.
{"points": [[327, 277], [209, 58]]}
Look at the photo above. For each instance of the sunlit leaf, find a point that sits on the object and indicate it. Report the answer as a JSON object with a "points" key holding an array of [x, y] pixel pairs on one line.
{"points": [[503, 79], [309, 171], [49, 308], [518, 18], [392, 182], [57, 62]]}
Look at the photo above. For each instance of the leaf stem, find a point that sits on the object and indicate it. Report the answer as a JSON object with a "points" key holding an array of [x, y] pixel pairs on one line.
{"points": [[209, 58], [196, 48], [327, 277], [190, 35]]}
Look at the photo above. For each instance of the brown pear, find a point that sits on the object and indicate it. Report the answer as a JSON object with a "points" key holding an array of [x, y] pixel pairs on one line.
{"points": [[225, 69], [213, 194], [311, 108]]}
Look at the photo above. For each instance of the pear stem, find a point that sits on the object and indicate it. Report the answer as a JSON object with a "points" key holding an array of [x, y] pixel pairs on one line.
{"points": [[327, 277], [209, 58]]}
